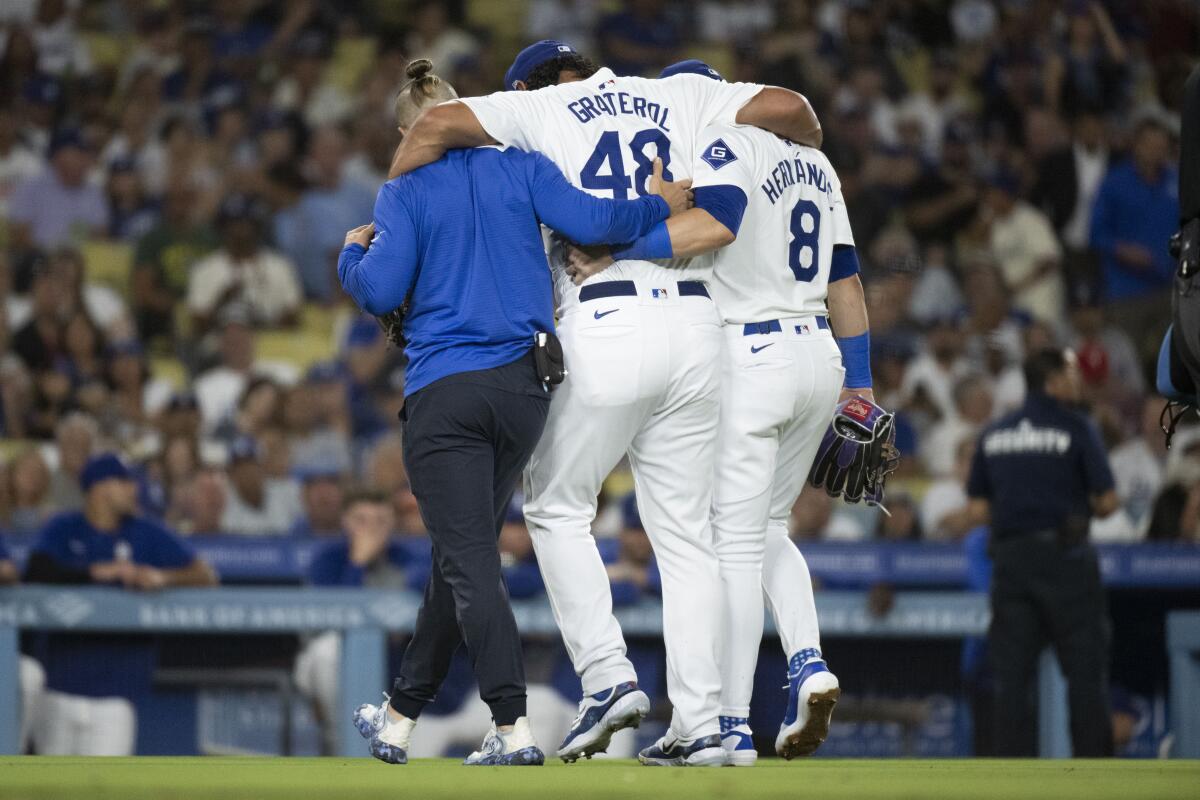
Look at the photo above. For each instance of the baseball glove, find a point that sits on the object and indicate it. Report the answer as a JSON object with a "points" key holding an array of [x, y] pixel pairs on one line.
{"points": [[857, 453], [393, 324]]}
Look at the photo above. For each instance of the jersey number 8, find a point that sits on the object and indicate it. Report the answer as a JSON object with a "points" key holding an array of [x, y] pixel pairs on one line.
{"points": [[608, 150], [806, 211]]}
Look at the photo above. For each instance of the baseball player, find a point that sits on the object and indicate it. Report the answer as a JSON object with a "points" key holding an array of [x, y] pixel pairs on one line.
{"points": [[641, 343], [785, 284]]}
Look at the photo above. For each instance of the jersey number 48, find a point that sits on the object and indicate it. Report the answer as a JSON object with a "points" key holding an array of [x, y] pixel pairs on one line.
{"points": [[607, 156]]}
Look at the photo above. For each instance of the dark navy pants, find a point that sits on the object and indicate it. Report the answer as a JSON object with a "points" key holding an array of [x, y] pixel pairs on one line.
{"points": [[467, 437], [1044, 593]]}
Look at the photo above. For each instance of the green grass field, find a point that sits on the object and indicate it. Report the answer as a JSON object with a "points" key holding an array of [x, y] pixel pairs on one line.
{"points": [[169, 778]]}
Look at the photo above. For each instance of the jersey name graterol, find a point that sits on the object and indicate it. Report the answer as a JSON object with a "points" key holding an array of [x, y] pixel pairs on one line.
{"points": [[614, 104]]}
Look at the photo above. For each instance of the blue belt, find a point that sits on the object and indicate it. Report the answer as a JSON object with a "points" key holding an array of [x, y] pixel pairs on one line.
{"points": [[773, 326], [596, 291]]}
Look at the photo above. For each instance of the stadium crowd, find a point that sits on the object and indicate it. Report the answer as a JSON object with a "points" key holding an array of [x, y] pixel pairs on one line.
{"points": [[176, 179]]}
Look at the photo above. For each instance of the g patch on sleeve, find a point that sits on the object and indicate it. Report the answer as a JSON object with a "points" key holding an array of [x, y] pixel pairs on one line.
{"points": [[718, 154]]}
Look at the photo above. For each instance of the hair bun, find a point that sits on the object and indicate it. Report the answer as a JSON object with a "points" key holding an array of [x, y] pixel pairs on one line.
{"points": [[419, 68]]}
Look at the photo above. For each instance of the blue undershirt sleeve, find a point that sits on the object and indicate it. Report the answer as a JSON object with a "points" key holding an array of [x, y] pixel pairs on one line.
{"points": [[844, 263], [726, 204]]}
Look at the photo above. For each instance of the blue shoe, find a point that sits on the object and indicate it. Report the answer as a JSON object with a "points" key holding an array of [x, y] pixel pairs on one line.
{"points": [[516, 748], [387, 739], [671, 752], [813, 691], [737, 740], [600, 716]]}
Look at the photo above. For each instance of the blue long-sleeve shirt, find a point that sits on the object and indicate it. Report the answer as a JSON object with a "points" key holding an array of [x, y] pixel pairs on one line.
{"points": [[1127, 209], [460, 237]]}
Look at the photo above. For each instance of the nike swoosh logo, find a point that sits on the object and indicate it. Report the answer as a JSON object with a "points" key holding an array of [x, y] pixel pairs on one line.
{"points": [[601, 314], [764, 347]]}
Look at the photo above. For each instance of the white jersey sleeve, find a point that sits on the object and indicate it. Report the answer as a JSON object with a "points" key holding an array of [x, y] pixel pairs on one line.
{"points": [[779, 265], [725, 157], [842, 235]]}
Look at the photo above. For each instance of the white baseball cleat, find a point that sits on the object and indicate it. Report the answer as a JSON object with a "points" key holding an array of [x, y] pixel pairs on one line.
{"points": [[813, 691], [736, 738], [600, 716]]}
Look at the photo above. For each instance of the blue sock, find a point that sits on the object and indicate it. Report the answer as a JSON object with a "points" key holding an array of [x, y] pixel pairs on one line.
{"points": [[802, 657], [729, 723]]}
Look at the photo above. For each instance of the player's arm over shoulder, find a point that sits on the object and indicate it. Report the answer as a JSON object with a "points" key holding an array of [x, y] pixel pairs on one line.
{"points": [[443, 127], [785, 113]]}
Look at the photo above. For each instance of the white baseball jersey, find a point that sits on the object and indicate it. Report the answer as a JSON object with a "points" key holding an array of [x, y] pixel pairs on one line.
{"points": [[643, 383], [605, 132], [779, 383], [795, 215]]}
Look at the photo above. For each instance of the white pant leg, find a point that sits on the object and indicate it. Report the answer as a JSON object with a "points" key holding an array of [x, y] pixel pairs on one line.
{"points": [[32, 680], [758, 391], [786, 580], [317, 673], [70, 725], [594, 416], [672, 461]]}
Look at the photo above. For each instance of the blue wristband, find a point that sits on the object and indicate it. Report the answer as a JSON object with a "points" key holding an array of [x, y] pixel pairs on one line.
{"points": [[655, 244], [856, 357]]}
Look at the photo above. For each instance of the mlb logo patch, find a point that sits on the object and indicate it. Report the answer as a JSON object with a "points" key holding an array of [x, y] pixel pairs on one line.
{"points": [[803, 330], [659, 294], [718, 154]]}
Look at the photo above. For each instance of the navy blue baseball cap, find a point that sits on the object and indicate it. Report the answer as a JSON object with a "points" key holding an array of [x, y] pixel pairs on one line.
{"points": [[694, 66], [64, 138], [243, 448], [533, 57], [103, 467], [42, 90]]}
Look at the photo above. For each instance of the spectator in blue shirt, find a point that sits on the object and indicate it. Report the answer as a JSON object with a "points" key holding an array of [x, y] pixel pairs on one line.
{"points": [[630, 559], [327, 209], [521, 572], [322, 497], [367, 555], [91, 680], [1136, 211]]}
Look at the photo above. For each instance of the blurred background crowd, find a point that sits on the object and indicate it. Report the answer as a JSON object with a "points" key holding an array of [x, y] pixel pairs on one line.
{"points": [[176, 179]]}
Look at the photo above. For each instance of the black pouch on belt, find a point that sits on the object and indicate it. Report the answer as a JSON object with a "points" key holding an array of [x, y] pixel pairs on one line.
{"points": [[548, 358]]}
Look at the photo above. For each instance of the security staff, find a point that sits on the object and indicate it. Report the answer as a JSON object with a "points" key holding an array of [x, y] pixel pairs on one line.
{"points": [[1040, 474], [458, 244]]}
